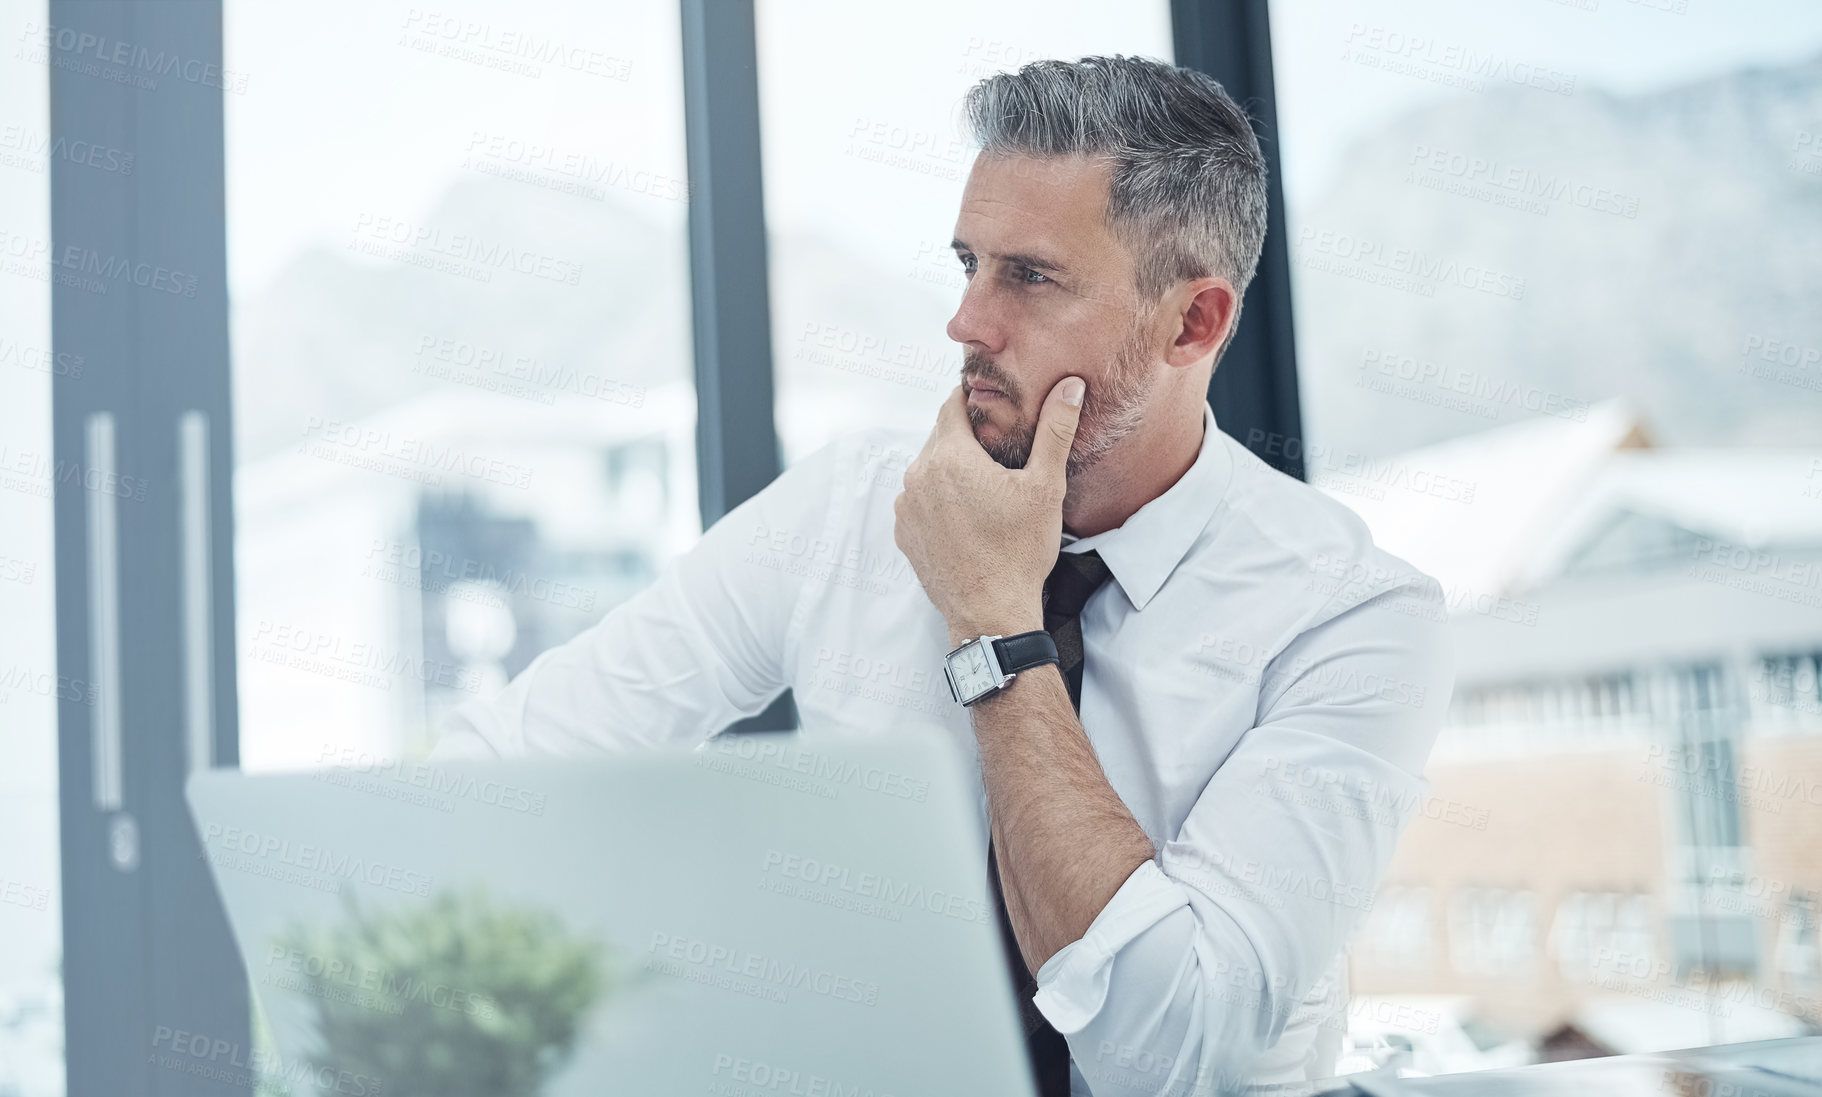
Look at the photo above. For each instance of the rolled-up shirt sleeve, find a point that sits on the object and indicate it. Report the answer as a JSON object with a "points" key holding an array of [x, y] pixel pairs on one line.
{"points": [[706, 644], [1187, 977]]}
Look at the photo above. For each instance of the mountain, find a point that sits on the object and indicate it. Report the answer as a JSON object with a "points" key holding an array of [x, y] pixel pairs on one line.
{"points": [[338, 334], [1476, 262], [1656, 238]]}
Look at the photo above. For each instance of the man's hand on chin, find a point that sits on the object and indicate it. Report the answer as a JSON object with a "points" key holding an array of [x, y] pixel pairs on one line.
{"points": [[983, 537]]}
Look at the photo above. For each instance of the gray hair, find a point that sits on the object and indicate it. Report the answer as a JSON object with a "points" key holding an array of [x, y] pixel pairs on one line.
{"points": [[1188, 195]]}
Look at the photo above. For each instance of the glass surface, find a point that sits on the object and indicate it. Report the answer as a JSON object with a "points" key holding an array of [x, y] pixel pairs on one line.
{"points": [[1555, 291], [31, 918], [1784, 1068], [971, 672], [461, 349], [864, 166]]}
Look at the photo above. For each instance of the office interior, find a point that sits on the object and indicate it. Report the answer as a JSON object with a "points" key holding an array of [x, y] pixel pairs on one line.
{"points": [[289, 473]]}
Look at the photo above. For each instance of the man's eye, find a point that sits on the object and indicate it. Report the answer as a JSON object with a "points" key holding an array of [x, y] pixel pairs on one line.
{"points": [[967, 264], [1040, 278]]}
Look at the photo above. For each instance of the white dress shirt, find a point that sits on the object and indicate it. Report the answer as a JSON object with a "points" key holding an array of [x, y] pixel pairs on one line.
{"points": [[1262, 687]]}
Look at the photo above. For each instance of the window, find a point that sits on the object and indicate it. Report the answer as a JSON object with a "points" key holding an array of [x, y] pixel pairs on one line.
{"points": [[1398, 934], [1787, 692], [1593, 928], [1634, 542], [460, 324], [1799, 948], [1556, 347], [1492, 932]]}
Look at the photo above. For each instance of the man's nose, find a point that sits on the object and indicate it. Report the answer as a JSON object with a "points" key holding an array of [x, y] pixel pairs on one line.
{"points": [[976, 321]]}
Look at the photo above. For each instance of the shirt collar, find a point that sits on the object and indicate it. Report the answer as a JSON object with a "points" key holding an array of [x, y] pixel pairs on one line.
{"points": [[1142, 551]]}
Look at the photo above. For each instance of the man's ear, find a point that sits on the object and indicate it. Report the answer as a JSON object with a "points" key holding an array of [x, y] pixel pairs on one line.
{"points": [[1208, 310]]}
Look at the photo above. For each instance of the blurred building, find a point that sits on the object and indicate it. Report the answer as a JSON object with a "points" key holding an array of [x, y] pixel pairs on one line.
{"points": [[395, 565], [1626, 797]]}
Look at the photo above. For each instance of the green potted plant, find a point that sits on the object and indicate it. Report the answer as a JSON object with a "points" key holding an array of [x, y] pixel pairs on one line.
{"points": [[446, 998]]}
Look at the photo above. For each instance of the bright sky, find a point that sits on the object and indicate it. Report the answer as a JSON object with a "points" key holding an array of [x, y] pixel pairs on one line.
{"points": [[343, 116], [1623, 46]]}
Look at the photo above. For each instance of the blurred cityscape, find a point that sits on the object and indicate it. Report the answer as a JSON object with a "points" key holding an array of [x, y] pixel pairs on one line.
{"points": [[1622, 851]]}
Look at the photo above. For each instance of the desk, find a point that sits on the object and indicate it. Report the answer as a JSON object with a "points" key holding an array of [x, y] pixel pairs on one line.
{"points": [[1763, 1068]]}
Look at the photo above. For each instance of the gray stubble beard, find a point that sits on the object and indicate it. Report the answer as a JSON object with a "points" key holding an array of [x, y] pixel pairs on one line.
{"points": [[1113, 409]]}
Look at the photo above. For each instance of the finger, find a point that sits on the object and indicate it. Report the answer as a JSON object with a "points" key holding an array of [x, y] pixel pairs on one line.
{"points": [[950, 418], [1057, 422]]}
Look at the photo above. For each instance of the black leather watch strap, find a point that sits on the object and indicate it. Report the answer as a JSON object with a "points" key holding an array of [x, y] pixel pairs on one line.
{"points": [[1024, 651]]}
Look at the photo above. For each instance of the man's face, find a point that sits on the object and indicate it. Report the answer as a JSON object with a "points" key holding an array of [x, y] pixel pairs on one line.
{"points": [[1050, 294]]}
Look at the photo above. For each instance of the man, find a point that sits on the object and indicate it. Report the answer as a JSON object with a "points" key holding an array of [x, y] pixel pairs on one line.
{"points": [[1227, 693]]}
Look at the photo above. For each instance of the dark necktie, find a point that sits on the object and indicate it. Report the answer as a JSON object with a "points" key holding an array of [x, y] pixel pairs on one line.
{"points": [[1075, 576]]}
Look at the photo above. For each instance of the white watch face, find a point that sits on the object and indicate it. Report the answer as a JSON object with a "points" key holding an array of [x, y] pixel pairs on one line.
{"points": [[972, 673]]}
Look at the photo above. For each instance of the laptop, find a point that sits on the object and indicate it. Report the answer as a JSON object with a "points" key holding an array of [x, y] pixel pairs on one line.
{"points": [[759, 915]]}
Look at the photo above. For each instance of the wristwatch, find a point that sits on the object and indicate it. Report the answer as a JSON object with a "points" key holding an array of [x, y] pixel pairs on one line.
{"points": [[981, 667]]}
